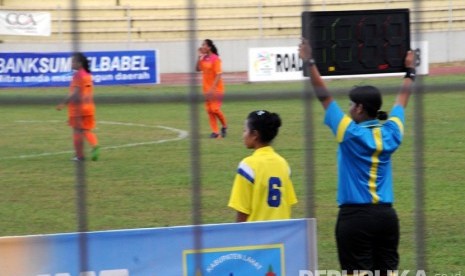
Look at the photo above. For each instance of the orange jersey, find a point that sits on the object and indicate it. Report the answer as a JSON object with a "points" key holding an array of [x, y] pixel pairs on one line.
{"points": [[211, 67], [81, 104]]}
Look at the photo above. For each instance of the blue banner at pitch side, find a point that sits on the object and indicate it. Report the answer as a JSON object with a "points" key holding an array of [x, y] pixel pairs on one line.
{"points": [[278, 248], [54, 69]]}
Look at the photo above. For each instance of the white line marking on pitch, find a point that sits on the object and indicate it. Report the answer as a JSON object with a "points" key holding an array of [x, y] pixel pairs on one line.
{"points": [[182, 134]]}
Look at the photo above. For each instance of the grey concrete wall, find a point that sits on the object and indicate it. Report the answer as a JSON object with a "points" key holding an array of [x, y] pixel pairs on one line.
{"points": [[175, 57]]}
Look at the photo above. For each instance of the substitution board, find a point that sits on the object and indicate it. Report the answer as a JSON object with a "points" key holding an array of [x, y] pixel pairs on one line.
{"points": [[358, 42]]}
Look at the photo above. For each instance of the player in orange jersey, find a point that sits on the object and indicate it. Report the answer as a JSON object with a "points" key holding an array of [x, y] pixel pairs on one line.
{"points": [[209, 63], [81, 107]]}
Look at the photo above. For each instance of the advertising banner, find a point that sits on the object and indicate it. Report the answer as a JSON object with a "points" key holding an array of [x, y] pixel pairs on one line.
{"points": [[421, 57], [284, 64], [275, 248], [54, 69], [275, 64], [25, 23]]}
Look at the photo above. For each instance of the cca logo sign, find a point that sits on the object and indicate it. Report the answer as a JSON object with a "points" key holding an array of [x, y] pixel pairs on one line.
{"points": [[20, 19]]}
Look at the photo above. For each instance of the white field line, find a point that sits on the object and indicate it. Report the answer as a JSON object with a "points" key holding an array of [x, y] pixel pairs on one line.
{"points": [[181, 134]]}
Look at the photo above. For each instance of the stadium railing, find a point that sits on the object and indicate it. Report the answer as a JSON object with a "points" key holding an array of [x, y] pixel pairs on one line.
{"points": [[138, 22]]}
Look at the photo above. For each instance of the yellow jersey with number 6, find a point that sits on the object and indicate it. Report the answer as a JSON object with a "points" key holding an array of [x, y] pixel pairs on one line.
{"points": [[262, 187]]}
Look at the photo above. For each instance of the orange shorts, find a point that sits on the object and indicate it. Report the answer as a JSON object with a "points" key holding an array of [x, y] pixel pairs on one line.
{"points": [[82, 122], [214, 104]]}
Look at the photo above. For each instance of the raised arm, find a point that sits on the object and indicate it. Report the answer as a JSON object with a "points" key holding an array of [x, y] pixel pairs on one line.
{"points": [[406, 89], [200, 55], [319, 86]]}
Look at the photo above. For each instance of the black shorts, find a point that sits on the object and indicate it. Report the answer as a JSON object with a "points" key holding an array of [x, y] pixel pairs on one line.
{"points": [[367, 238]]}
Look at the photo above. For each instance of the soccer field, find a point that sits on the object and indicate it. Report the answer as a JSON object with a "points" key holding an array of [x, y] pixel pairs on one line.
{"points": [[143, 177]]}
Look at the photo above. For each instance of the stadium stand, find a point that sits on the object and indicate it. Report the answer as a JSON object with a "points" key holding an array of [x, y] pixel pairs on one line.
{"points": [[143, 20]]}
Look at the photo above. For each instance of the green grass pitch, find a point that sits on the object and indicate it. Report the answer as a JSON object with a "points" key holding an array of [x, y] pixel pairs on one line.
{"points": [[143, 176]]}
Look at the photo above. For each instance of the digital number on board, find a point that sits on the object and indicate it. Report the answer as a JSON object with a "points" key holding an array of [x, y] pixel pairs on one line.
{"points": [[358, 42]]}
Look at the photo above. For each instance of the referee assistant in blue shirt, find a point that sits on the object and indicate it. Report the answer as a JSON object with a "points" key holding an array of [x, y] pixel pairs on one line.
{"points": [[367, 229]]}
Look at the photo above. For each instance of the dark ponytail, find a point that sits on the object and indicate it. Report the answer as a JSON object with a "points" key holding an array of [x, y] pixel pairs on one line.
{"points": [[382, 115], [265, 123], [212, 46], [81, 58]]}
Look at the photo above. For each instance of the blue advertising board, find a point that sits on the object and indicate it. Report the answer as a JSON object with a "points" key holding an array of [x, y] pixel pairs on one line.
{"points": [[54, 69], [277, 248]]}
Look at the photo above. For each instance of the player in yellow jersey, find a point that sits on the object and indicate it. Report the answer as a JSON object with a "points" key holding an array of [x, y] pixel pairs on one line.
{"points": [[262, 188]]}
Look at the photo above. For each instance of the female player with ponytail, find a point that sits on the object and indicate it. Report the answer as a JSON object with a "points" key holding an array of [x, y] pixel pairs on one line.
{"points": [[262, 189], [81, 108], [209, 63]]}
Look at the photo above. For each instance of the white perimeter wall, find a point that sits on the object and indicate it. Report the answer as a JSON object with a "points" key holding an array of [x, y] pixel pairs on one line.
{"points": [[174, 57]]}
